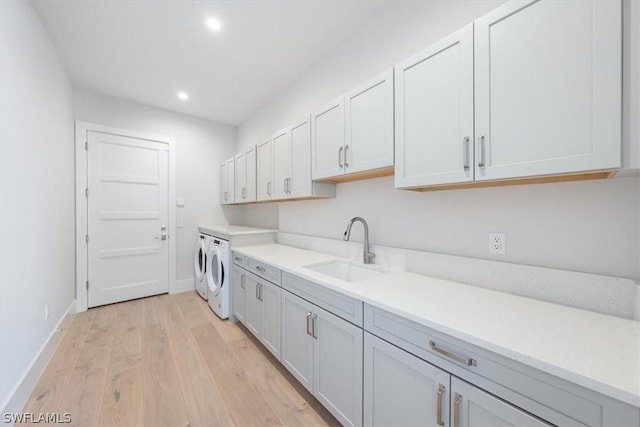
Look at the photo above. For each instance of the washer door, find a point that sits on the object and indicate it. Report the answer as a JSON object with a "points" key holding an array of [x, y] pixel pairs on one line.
{"points": [[215, 271], [199, 260]]}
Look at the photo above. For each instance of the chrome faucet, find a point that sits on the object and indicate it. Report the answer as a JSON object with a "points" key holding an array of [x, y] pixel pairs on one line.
{"points": [[367, 257]]}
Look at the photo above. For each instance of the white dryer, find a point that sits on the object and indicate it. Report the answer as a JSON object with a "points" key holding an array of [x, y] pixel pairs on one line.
{"points": [[200, 264], [218, 275]]}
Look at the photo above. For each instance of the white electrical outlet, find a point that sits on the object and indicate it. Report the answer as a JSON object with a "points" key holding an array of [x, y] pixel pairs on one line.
{"points": [[498, 243], [46, 312]]}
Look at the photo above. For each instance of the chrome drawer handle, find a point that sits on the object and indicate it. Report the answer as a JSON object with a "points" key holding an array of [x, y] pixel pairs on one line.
{"points": [[482, 161], [465, 148], [441, 390], [340, 156], [238, 259], [468, 361], [260, 269], [309, 332]]}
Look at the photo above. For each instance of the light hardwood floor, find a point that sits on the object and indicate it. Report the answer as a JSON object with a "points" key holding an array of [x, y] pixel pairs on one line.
{"points": [[169, 360]]}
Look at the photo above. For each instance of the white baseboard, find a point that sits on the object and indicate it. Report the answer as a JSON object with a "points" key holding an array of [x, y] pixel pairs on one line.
{"points": [[183, 285], [23, 389]]}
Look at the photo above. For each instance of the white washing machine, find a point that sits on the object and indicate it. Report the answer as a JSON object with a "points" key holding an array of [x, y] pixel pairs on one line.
{"points": [[218, 275], [200, 264]]}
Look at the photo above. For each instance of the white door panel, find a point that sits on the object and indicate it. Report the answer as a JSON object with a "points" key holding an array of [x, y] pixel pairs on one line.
{"points": [[369, 125], [281, 146], [548, 88], [264, 173], [327, 141], [127, 206], [241, 177], [434, 114], [300, 177], [250, 192]]}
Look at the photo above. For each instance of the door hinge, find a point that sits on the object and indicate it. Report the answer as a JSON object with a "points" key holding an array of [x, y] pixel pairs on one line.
{"points": [[87, 285], [86, 145], [86, 192], [86, 238]]}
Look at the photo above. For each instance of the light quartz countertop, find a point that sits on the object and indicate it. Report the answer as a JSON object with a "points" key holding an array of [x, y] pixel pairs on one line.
{"points": [[227, 231], [597, 351]]}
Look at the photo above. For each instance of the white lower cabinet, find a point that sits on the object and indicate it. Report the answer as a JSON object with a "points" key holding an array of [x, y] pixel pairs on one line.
{"points": [[262, 316], [471, 407], [239, 294], [403, 390], [324, 352]]}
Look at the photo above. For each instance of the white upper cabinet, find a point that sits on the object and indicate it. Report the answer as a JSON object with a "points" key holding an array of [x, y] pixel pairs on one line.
{"points": [[300, 172], [250, 184], [434, 114], [281, 162], [245, 183], [227, 182], [327, 141], [354, 133], [369, 125], [291, 164], [241, 176], [548, 88], [263, 171]]}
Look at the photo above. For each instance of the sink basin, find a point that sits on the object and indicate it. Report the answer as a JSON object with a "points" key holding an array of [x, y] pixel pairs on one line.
{"points": [[344, 271]]}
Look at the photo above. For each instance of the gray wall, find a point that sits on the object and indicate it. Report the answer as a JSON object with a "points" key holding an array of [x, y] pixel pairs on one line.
{"points": [[585, 226]]}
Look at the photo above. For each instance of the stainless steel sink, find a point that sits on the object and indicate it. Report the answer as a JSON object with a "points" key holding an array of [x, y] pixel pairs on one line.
{"points": [[345, 271]]}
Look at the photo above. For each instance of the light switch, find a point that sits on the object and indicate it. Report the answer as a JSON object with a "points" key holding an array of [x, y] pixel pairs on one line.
{"points": [[180, 223], [180, 202]]}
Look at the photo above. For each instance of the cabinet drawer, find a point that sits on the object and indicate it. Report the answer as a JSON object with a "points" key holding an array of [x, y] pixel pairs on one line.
{"points": [[345, 307], [548, 397], [263, 270], [239, 259]]}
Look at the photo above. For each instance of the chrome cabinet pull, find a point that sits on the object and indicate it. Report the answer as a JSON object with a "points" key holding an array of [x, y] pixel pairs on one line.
{"points": [[258, 291], [309, 330], [260, 269], [346, 165], [242, 279], [269, 188], [466, 153], [261, 292], [340, 156], [468, 361], [314, 332], [482, 160], [456, 410], [238, 259], [441, 390], [289, 185]]}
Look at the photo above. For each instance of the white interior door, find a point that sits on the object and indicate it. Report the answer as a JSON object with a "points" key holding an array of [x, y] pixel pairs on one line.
{"points": [[127, 208]]}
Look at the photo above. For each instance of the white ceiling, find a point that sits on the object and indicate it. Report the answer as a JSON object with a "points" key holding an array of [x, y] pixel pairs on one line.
{"points": [[147, 50]]}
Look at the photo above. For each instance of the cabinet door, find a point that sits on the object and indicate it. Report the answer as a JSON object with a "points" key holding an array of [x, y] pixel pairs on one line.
{"points": [[281, 146], [239, 294], [338, 366], [297, 342], [250, 185], [241, 177], [224, 184], [231, 179], [300, 176], [434, 114], [327, 141], [369, 125], [271, 298], [473, 407], [402, 390], [253, 315], [264, 185], [548, 88]]}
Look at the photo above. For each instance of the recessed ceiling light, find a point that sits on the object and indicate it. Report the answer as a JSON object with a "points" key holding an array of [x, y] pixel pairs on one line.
{"points": [[214, 24], [183, 96]]}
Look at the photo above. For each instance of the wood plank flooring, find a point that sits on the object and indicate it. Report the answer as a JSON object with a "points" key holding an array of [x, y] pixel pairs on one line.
{"points": [[169, 361]]}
